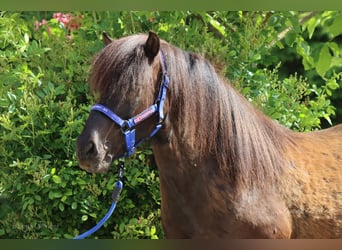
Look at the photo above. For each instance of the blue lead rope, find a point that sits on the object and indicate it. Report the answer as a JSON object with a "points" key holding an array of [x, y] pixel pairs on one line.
{"points": [[115, 197]]}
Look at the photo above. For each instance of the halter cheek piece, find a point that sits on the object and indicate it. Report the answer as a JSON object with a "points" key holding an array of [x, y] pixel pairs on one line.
{"points": [[128, 126]]}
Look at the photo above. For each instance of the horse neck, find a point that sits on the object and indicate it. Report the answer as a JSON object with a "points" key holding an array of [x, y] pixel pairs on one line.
{"points": [[216, 130]]}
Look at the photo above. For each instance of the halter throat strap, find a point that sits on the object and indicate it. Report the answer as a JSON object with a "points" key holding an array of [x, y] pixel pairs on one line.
{"points": [[128, 126]]}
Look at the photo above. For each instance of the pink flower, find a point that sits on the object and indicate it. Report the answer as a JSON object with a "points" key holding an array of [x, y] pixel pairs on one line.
{"points": [[37, 25], [57, 15], [152, 19], [68, 21], [48, 30]]}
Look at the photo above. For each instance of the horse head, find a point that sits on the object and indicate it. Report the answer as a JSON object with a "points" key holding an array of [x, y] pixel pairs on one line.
{"points": [[129, 79]]}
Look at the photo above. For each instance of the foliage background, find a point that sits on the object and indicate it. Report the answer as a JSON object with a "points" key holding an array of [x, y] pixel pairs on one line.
{"points": [[287, 63]]}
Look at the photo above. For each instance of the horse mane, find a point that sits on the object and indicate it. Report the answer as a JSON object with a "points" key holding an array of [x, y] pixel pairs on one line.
{"points": [[209, 115], [114, 72]]}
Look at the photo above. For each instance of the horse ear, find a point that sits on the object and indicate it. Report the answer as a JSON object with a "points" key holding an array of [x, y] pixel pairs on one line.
{"points": [[106, 39], [152, 45]]}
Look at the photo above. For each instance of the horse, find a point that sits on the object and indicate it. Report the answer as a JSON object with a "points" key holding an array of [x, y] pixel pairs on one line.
{"points": [[226, 169]]}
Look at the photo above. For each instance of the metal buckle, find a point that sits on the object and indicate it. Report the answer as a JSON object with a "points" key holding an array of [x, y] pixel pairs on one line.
{"points": [[125, 128]]}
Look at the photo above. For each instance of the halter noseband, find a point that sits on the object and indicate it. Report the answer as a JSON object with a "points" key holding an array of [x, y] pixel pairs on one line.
{"points": [[128, 126]]}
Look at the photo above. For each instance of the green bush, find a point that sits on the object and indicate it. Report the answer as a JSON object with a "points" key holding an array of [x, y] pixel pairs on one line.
{"points": [[44, 102]]}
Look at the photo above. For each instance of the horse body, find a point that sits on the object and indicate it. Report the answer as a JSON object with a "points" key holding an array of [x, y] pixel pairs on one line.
{"points": [[312, 188], [304, 202], [226, 170]]}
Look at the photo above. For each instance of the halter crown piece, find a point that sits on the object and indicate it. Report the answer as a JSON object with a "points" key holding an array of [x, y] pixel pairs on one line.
{"points": [[128, 126]]}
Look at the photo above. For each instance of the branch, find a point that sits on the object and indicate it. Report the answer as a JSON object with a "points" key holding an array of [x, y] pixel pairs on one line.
{"points": [[282, 34], [210, 27]]}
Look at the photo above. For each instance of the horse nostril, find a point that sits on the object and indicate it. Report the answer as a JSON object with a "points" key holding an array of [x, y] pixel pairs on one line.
{"points": [[87, 146], [85, 149], [90, 148]]}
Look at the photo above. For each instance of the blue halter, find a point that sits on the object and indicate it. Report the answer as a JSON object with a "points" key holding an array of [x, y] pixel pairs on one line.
{"points": [[128, 126]]}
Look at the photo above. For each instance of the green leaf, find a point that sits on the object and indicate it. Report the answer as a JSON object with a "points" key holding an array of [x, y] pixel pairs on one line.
{"points": [[94, 215], [327, 118], [329, 93], [3, 102], [336, 28], [53, 171], [74, 206], [290, 38], [220, 28], [61, 207], [324, 61], [312, 24], [141, 157], [133, 221], [335, 49], [12, 97], [56, 179], [51, 195], [26, 38], [332, 84], [55, 194], [68, 236], [81, 182], [64, 198], [84, 217], [122, 227], [153, 230]]}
